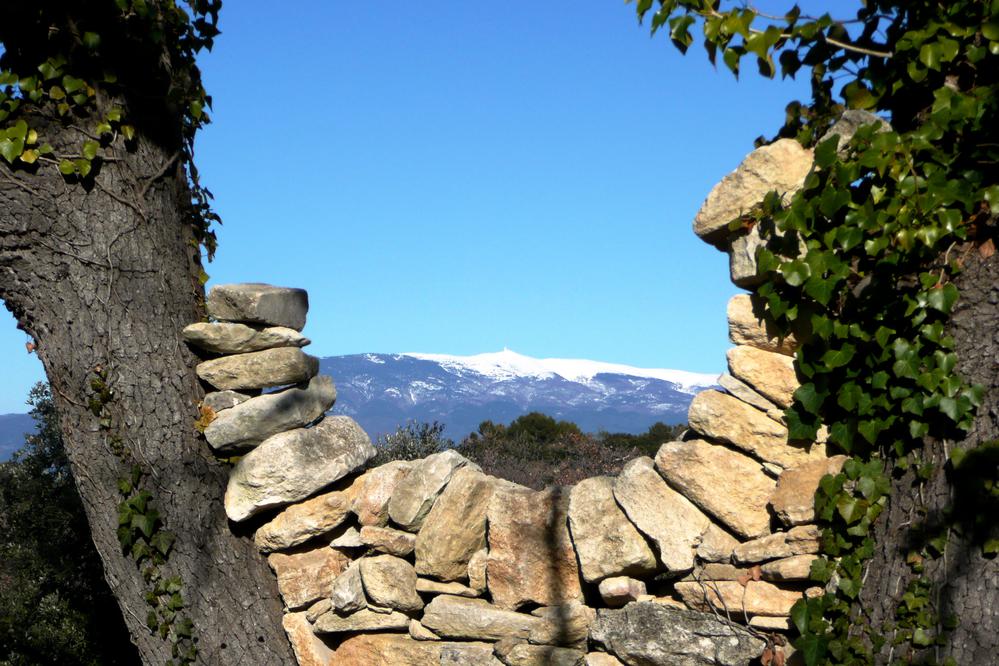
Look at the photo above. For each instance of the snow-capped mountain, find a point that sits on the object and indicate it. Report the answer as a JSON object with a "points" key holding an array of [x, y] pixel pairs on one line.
{"points": [[382, 391]]}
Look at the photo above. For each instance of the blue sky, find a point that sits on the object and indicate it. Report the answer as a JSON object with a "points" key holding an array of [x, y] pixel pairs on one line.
{"points": [[451, 177]]}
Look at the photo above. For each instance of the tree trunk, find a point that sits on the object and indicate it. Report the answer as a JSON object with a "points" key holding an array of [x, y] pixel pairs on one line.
{"points": [[965, 582], [107, 278]]}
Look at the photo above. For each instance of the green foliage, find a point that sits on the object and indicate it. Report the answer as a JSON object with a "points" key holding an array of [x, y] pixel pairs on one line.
{"points": [[858, 265], [55, 606]]}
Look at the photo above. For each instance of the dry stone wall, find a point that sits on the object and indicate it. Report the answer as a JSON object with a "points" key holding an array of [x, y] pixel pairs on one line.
{"points": [[693, 557]]}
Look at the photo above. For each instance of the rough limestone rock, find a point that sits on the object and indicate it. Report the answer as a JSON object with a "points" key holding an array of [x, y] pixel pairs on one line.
{"points": [[477, 570], [418, 632], [260, 369], [362, 620], [219, 400], [796, 567], [728, 485], [757, 597], [258, 304], [476, 619], [390, 581], [347, 537], [607, 544], [468, 654], [232, 338], [300, 522], [716, 545], [373, 495], [250, 422], [306, 575], [651, 634], [781, 166], [318, 608], [602, 659], [416, 493], [668, 518], [745, 392], [525, 654], [427, 586], [309, 649], [724, 418], [347, 594], [849, 123], [531, 558], [771, 374], [388, 650], [292, 465], [387, 540], [566, 624], [747, 326], [772, 623], [617, 591], [455, 527], [800, 540], [794, 498]]}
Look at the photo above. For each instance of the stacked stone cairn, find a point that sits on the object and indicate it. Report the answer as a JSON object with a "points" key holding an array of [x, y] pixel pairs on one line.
{"points": [[695, 557]]}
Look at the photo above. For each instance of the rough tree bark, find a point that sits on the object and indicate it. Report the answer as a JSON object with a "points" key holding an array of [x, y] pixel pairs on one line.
{"points": [[108, 277], [965, 581]]}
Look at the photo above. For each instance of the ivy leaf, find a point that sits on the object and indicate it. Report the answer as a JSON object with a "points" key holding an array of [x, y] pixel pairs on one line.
{"points": [[162, 541], [90, 149], [811, 647], [837, 358], [799, 615], [943, 298], [10, 149]]}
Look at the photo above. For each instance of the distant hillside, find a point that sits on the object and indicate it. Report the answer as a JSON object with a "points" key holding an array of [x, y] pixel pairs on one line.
{"points": [[13, 428]]}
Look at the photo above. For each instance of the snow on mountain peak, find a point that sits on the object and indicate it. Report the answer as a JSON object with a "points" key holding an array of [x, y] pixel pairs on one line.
{"points": [[508, 364]]}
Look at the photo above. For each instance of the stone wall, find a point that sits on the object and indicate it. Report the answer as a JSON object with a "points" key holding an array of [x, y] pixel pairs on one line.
{"points": [[694, 557]]}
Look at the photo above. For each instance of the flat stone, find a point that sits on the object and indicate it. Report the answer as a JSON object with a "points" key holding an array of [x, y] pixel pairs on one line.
{"points": [[390, 581], [771, 623], [455, 527], [219, 400], [800, 540], [257, 303], [387, 650], [318, 608], [232, 338], [261, 369], [347, 594], [747, 325], [617, 591], [742, 254], [420, 633], [348, 538], [796, 567], [436, 587], [724, 483], [309, 649], [848, 124], [531, 558], [306, 574], [665, 516], [371, 502], [252, 421], [416, 493], [602, 659], [293, 465], [743, 391], [651, 634], [793, 499], [362, 620], [468, 654], [477, 570], [525, 654], [387, 540], [475, 619], [566, 624], [606, 542], [781, 166], [770, 373], [756, 597], [300, 522], [727, 419], [716, 545]]}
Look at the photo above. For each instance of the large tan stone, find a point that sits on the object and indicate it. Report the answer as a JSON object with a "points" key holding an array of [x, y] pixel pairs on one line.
{"points": [[602, 659], [371, 501], [387, 650], [477, 570], [309, 649], [306, 574], [566, 624], [293, 465], [668, 518], [748, 326], [726, 484], [770, 373], [260, 369], [428, 586], [475, 619], [387, 540], [300, 522], [780, 166], [362, 620], [617, 591], [468, 654], [455, 527], [258, 303], [232, 338], [347, 594], [724, 418], [755, 598], [746, 393], [606, 542], [390, 581], [525, 654], [800, 540], [531, 558], [796, 567], [793, 499], [416, 493], [716, 545]]}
